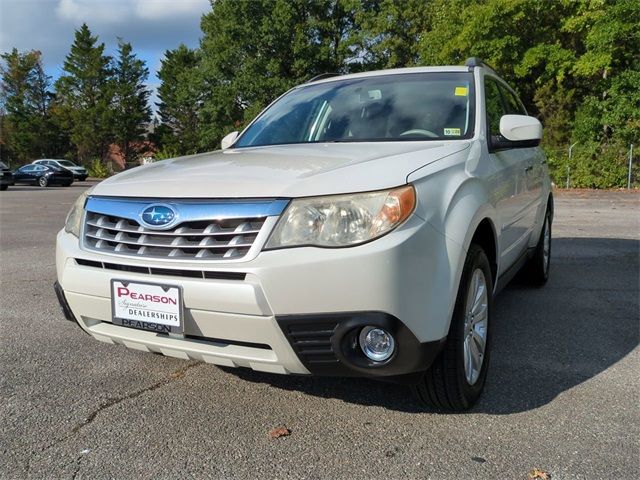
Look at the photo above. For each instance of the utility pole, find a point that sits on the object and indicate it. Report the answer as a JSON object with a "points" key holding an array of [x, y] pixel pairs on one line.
{"points": [[630, 163], [569, 162]]}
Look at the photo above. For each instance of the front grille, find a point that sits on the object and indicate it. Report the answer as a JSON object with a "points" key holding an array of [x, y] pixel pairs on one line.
{"points": [[172, 272], [223, 239]]}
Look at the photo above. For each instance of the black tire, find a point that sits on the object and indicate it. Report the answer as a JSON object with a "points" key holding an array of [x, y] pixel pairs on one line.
{"points": [[82, 179], [67, 184], [3, 187], [445, 385], [536, 271], [43, 182]]}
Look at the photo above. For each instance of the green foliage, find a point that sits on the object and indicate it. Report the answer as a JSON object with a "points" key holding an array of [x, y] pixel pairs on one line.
{"points": [[84, 93], [98, 169], [390, 32], [251, 52], [180, 97], [28, 131], [575, 64], [130, 109], [166, 153]]}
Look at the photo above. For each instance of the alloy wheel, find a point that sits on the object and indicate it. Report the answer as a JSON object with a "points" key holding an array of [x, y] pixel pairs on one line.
{"points": [[475, 326]]}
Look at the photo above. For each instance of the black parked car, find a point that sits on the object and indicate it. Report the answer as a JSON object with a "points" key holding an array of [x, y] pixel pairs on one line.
{"points": [[43, 175], [6, 178]]}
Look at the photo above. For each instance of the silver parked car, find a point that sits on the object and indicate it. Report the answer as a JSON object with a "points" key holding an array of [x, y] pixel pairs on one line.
{"points": [[361, 225], [79, 173]]}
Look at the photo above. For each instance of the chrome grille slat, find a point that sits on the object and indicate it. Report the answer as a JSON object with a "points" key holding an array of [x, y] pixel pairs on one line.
{"points": [[212, 239], [211, 230]]}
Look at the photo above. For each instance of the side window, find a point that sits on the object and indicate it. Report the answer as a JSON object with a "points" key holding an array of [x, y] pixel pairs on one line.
{"points": [[495, 110], [27, 168], [514, 107]]}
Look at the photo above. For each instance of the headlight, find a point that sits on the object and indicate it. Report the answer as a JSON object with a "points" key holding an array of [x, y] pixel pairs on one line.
{"points": [[74, 217], [342, 220]]}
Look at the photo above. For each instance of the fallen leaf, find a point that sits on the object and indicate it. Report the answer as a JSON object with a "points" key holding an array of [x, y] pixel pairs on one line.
{"points": [[536, 473], [279, 432]]}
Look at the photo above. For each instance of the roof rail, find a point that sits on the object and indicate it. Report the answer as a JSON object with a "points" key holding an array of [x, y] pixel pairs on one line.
{"points": [[478, 62], [323, 76]]}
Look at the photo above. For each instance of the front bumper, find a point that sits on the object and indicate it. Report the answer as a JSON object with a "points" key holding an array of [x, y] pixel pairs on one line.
{"points": [[247, 313]]}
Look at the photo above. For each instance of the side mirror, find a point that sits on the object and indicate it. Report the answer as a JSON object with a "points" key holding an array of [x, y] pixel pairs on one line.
{"points": [[516, 131], [520, 127], [228, 140]]}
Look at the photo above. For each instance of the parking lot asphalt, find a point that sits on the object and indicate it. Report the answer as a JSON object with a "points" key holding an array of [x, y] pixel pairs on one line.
{"points": [[562, 394]]}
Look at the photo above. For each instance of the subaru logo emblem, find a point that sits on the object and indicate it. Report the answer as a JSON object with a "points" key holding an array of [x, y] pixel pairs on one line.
{"points": [[158, 216]]}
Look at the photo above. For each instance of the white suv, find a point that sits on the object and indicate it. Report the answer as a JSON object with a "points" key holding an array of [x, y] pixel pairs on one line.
{"points": [[361, 225]]}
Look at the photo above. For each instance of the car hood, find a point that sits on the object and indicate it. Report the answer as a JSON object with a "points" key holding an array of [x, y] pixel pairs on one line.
{"points": [[280, 171]]}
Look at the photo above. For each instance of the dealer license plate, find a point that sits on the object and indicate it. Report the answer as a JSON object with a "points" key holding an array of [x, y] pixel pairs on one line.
{"points": [[147, 306]]}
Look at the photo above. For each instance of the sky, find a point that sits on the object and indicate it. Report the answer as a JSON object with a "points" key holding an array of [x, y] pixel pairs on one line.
{"points": [[151, 26]]}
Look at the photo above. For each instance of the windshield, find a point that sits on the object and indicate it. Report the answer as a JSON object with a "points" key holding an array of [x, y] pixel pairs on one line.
{"points": [[3, 166], [66, 163], [412, 106]]}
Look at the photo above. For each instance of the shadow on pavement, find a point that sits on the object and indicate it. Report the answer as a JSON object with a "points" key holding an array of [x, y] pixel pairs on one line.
{"points": [[545, 341]]}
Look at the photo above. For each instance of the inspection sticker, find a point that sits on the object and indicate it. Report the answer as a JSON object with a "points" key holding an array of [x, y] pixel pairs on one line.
{"points": [[452, 132], [461, 91]]}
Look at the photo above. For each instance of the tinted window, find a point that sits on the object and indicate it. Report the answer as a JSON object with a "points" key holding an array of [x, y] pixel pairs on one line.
{"points": [[416, 106], [512, 103], [495, 110], [66, 163], [27, 168]]}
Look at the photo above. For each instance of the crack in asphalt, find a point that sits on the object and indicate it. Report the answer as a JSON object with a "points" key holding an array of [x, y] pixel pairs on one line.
{"points": [[173, 376], [115, 401]]}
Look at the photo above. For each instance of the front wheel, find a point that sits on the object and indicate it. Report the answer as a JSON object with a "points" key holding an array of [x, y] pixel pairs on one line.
{"points": [[3, 187], [43, 182], [456, 378]]}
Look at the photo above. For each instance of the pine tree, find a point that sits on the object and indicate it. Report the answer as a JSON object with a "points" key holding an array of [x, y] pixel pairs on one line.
{"points": [[25, 95], [84, 96], [179, 104], [131, 111]]}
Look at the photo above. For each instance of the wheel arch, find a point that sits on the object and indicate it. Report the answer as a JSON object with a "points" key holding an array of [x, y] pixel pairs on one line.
{"points": [[485, 237], [467, 215]]}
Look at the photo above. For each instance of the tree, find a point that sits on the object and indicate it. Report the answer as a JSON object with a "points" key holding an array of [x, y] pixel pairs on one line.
{"points": [[131, 111], [180, 101], [25, 99], [84, 96], [391, 31], [254, 51]]}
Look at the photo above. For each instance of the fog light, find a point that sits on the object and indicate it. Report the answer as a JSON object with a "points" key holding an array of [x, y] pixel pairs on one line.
{"points": [[376, 344]]}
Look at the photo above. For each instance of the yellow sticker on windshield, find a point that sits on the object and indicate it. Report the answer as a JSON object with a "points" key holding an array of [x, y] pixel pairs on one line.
{"points": [[452, 132], [461, 91]]}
